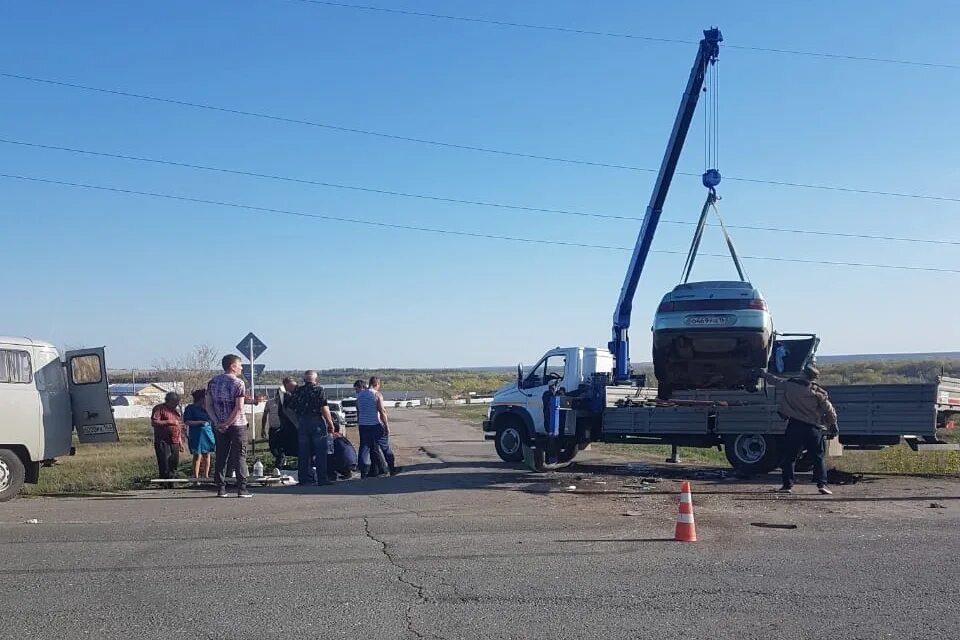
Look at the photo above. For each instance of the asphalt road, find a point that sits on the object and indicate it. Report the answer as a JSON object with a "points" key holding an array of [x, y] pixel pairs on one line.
{"points": [[462, 546]]}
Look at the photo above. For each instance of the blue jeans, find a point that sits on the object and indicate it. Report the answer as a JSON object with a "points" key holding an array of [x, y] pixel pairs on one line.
{"points": [[311, 449], [372, 437]]}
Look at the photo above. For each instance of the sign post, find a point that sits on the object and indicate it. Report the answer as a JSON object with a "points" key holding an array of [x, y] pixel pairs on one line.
{"points": [[252, 347]]}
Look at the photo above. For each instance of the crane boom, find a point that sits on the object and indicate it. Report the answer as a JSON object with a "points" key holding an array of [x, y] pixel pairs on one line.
{"points": [[620, 344]]}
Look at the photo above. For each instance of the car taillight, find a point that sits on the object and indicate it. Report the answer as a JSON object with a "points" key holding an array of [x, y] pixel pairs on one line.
{"points": [[665, 307], [760, 305]]}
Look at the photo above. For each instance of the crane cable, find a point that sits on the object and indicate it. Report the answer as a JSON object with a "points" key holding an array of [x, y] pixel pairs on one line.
{"points": [[711, 175]]}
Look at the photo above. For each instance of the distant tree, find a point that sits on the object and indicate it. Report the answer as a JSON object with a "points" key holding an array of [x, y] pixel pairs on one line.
{"points": [[194, 369]]}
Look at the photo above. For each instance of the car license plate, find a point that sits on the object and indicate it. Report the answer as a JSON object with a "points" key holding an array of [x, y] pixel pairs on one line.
{"points": [[709, 321]]}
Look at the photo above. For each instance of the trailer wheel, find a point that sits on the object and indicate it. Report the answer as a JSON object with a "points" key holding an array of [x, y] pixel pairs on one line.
{"points": [[752, 452], [509, 441], [12, 474]]}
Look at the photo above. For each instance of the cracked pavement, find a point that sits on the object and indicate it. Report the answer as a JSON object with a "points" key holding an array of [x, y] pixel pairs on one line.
{"points": [[463, 546]]}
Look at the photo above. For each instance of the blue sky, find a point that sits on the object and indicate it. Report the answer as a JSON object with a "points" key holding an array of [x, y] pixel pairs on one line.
{"points": [[149, 278]]}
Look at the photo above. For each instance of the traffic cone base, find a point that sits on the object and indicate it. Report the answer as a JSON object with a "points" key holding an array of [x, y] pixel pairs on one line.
{"points": [[686, 530]]}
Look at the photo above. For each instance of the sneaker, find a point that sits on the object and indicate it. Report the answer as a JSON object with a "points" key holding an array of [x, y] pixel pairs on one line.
{"points": [[785, 490], [222, 493], [823, 490], [395, 471], [244, 494]]}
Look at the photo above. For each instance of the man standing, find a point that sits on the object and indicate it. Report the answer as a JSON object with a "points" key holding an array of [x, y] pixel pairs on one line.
{"points": [[314, 422], [167, 435], [277, 424], [224, 403], [374, 428], [810, 416]]}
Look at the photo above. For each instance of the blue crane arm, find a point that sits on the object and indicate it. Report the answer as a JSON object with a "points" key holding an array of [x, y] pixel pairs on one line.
{"points": [[620, 344]]}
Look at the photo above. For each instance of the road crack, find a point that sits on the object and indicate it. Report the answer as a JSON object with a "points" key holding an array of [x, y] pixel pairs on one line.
{"points": [[402, 578]]}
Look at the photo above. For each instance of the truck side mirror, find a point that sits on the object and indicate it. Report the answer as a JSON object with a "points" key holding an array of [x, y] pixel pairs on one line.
{"points": [[519, 375]]}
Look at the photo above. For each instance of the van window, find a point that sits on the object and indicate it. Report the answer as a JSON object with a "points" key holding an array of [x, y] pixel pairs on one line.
{"points": [[85, 369], [15, 367]]}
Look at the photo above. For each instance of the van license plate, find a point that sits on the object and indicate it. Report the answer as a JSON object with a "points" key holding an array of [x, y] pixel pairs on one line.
{"points": [[709, 321], [94, 429]]}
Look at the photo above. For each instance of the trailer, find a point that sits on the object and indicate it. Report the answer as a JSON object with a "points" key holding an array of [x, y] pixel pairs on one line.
{"points": [[750, 431]]}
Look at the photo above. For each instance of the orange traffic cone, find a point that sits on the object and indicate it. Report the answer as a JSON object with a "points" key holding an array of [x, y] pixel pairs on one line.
{"points": [[686, 530]]}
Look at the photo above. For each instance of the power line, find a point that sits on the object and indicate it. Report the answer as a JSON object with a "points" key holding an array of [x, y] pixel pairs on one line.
{"points": [[481, 203], [452, 145], [471, 234], [630, 36]]}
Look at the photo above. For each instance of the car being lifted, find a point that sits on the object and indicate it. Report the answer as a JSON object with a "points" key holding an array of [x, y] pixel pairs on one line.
{"points": [[711, 335]]}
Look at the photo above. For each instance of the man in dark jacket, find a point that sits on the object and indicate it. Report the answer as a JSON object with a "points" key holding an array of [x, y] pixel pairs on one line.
{"points": [[810, 416]]}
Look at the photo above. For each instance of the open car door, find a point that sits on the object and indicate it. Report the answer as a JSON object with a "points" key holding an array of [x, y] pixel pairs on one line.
{"points": [[89, 397], [792, 352]]}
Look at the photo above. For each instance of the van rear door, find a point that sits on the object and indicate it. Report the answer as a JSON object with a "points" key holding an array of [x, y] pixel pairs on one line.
{"points": [[89, 397]]}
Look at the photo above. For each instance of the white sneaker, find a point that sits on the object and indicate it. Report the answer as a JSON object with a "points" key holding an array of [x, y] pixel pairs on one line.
{"points": [[244, 494], [823, 490]]}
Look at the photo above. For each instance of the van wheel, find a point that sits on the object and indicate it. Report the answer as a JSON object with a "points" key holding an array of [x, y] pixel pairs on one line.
{"points": [[11, 475], [509, 441], [752, 452]]}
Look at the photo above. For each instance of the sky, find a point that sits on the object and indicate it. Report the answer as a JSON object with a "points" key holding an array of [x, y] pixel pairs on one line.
{"points": [[150, 277]]}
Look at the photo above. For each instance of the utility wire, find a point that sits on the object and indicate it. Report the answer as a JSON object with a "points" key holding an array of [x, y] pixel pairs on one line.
{"points": [[451, 145], [630, 36], [481, 203], [471, 234]]}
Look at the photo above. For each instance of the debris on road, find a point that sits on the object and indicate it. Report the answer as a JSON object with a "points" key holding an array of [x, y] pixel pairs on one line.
{"points": [[633, 513], [32, 521], [769, 525], [835, 476], [937, 505]]}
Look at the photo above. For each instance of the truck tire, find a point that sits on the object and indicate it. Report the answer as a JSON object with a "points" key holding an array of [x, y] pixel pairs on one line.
{"points": [[12, 475], [509, 440], [752, 453]]}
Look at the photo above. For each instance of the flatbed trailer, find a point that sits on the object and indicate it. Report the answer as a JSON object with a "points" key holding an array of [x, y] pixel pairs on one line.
{"points": [[748, 427]]}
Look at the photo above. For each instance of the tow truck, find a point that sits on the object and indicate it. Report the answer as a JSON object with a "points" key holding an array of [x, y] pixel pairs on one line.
{"points": [[604, 400]]}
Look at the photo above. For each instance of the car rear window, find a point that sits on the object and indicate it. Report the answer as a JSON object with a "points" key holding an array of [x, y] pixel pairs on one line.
{"points": [[712, 304]]}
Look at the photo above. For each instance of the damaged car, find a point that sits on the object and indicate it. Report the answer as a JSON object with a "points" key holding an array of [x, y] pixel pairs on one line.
{"points": [[711, 335]]}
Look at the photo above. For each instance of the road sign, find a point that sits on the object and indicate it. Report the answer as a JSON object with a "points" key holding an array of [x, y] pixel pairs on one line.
{"points": [[258, 369], [244, 346]]}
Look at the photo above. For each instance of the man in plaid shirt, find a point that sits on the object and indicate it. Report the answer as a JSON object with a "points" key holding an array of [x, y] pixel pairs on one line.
{"points": [[225, 398]]}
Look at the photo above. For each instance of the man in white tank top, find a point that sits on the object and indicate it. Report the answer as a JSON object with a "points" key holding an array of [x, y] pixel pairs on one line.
{"points": [[374, 428]]}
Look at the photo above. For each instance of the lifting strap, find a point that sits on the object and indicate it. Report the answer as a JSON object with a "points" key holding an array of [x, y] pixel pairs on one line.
{"points": [[708, 205]]}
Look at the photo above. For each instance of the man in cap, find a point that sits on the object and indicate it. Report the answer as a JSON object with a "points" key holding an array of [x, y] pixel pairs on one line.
{"points": [[167, 426], [810, 417]]}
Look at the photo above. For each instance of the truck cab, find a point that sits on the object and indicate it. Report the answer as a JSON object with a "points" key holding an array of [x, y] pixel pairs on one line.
{"points": [[516, 413], [45, 399]]}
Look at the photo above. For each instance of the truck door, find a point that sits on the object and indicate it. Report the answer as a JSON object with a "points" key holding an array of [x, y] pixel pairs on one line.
{"points": [[552, 367], [89, 397], [791, 352]]}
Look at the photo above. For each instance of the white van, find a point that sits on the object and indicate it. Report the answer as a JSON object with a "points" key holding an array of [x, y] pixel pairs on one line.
{"points": [[42, 400]]}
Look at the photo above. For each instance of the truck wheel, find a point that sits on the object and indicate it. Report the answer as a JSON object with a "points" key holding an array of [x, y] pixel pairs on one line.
{"points": [[509, 441], [11, 475], [752, 452]]}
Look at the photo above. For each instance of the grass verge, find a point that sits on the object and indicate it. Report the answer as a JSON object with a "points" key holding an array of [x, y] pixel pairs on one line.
{"points": [[121, 466]]}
